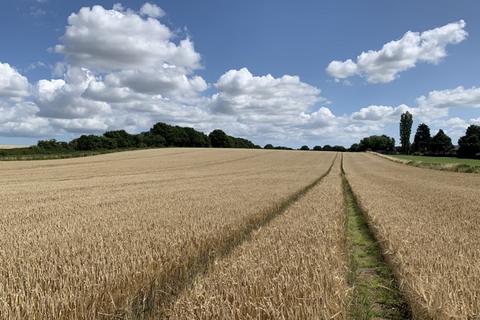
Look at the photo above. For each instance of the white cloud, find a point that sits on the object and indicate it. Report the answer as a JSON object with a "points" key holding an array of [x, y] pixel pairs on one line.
{"points": [[122, 69], [12, 83], [152, 10], [283, 110], [94, 125], [60, 98], [262, 98], [163, 81], [380, 113], [458, 97], [342, 70], [400, 55], [20, 119], [323, 117], [106, 40]]}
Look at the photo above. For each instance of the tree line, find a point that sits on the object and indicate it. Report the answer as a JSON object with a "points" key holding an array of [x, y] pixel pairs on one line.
{"points": [[159, 136], [423, 142], [165, 135]]}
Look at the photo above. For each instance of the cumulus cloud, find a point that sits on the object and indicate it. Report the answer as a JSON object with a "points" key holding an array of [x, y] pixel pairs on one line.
{"points": [[12, 83], [458, 97], [321, 118], [164, 81], [116, 39], [281, 110], [152, 10], [124, 69], [342, 69], [380, 113], [92, 125], [60, 98], [20, 119], [262, 98], [384, 65]]}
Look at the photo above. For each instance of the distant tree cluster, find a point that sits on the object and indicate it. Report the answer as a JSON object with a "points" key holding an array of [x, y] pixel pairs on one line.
{"points": [[160, 135], [423, 143], [307, 148], [271, 147], [332, 148], [383, 143], [219, 139], [325, 148]]}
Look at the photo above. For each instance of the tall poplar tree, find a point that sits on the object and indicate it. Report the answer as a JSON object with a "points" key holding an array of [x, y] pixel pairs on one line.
{"points": [[406, 121]]}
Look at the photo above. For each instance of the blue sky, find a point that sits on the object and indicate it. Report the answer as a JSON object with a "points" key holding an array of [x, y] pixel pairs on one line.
{"points": [[72, 89]]}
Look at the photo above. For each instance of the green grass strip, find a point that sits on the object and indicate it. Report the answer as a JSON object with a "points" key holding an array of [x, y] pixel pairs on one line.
{"points": [[375, 293], [436, 163]]}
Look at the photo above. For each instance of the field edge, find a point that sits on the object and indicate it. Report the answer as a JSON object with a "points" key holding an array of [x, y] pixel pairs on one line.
{"points": [[451, 167]]}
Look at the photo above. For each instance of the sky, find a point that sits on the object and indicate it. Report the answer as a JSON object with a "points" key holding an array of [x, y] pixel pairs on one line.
{"points": [[273, 71]]}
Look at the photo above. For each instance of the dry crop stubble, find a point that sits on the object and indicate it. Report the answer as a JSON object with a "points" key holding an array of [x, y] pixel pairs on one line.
{"points": [[429, 225], [293, 268], [92, 237]]}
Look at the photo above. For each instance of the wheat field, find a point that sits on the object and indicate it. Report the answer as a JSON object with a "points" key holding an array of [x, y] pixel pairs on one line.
{"points": [[112, 235], [429, 224], [294, 268], [229, 234]]}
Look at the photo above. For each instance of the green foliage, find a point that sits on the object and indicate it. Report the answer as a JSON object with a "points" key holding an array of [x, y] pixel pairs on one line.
{"points": [[406, 121], [121, 139], [219, 139], [441, 144], [317, 148], [242, 143], [196, 139], [381, 143], [445, 161], [304, 148], [52, 144], [176, 136], [270, 146], [354, 147], [339, 148], [469, 144], [160, 135], [148, 139], [92, 142], [422, 140]]}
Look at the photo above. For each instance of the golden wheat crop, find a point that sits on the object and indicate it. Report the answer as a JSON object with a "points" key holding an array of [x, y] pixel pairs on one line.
{"points": [[294, 268], [429, 224], [110, 236]]}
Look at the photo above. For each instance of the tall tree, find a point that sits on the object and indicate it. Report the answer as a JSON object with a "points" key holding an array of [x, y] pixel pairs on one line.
{"points": [[422, 140], [469, 144], [441, 143], [406, 121]]}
